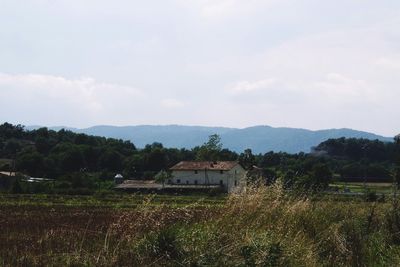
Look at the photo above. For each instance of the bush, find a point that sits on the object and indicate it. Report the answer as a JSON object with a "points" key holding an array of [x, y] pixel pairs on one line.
{"points": [[16, 187], [370, 196], [164, 244]]}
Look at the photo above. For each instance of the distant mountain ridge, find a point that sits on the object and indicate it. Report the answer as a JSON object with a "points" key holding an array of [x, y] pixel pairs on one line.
{"points": [[260, 139]]}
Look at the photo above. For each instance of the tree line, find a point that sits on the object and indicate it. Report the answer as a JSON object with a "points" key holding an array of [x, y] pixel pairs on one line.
{"points": [[79, 160]]}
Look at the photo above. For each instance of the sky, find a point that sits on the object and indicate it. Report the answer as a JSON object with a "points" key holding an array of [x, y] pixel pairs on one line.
{"points": [[237, 63]]}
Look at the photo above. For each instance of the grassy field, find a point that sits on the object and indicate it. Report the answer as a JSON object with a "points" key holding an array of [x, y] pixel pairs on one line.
{"points": [[112, 201], [263, 227], [5, 161], [356, 187], [56, 230]]}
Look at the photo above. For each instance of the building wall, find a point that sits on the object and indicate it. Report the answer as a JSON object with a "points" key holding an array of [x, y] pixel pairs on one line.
{"points": [[231, 180], [237, 174]]}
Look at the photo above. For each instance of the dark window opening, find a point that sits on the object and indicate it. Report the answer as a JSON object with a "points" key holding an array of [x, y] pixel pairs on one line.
{"points": [[221, 182], [187, 182], [196, 172], [178, 181], [221, 172], [235, 183], [195, 182]]}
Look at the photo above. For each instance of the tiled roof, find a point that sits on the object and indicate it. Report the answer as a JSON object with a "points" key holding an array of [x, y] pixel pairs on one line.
{"points": [[201, 165]]}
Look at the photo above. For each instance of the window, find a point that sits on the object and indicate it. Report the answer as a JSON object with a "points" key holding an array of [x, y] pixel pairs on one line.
{"points": [[221, 182], [196, 172], [178, 181], [235, 183], [221, 172], [187, 182], [195, 182]]}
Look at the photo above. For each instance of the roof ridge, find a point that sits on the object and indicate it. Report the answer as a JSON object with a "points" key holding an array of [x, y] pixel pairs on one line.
{"points": [[209, 165]]}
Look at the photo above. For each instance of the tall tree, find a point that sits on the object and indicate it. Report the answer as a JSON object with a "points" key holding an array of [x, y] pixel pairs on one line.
{"points": [[397, 159], [397, 177], [163, 176], [247, 159], [209, 151]]}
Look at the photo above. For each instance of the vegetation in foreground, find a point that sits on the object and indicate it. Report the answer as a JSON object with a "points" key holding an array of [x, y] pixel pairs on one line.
{"points": [[262, 227]]}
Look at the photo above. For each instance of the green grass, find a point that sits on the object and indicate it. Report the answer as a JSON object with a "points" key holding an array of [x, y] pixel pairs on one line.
{"points": [[381, 188], [109, 200], [5, 161]]}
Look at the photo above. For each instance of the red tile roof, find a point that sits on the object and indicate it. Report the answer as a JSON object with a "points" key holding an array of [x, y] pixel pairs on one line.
{"points": [[201, 165]]}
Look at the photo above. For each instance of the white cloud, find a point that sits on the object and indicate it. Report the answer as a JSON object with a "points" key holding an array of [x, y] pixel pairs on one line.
{"points": [[247, 87], [332, 87], [81, 99], [339, 88], [172, 103], [222, 9], [313, 64], [341, 78], [390, 63], [87, 92]]}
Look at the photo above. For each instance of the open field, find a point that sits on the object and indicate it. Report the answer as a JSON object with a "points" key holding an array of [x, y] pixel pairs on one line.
{"points": [[111, 201], [263, 227], [86, 230], [357, 187]]}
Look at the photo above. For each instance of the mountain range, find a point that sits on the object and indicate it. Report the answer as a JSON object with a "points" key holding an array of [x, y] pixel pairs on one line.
{"points": [[260, 139]]}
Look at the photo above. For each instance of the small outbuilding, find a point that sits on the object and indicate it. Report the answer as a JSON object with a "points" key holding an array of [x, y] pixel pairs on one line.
{"points": [[119, 179]]}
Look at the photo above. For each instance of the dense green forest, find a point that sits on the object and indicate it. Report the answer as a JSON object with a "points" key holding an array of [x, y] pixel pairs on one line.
{"points": [[83, 161]]}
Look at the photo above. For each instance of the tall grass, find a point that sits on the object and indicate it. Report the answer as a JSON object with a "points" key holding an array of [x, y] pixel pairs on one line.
{"points": [[267, 227], [259, 227]]}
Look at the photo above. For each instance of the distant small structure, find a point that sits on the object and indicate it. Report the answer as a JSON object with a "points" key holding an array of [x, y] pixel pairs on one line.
{"points": [[119, 179], [36, 180]]}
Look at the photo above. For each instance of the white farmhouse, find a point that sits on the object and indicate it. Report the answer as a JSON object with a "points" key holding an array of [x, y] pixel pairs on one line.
{"points": [[230, 175]]}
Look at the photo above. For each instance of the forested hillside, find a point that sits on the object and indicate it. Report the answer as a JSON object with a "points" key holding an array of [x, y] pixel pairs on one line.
{"points": [[83, 161], [259, 139]]}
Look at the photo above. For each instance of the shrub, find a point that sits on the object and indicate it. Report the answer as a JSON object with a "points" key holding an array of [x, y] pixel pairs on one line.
{"points": [[370, 196], [16, 187], [163, 244]]}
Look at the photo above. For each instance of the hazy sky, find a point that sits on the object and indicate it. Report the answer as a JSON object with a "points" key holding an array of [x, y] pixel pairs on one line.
{"points": [[300, 63]]}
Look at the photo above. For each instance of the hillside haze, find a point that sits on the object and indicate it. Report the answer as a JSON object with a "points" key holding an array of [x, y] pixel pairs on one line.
{"points": [[260, 139]]}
